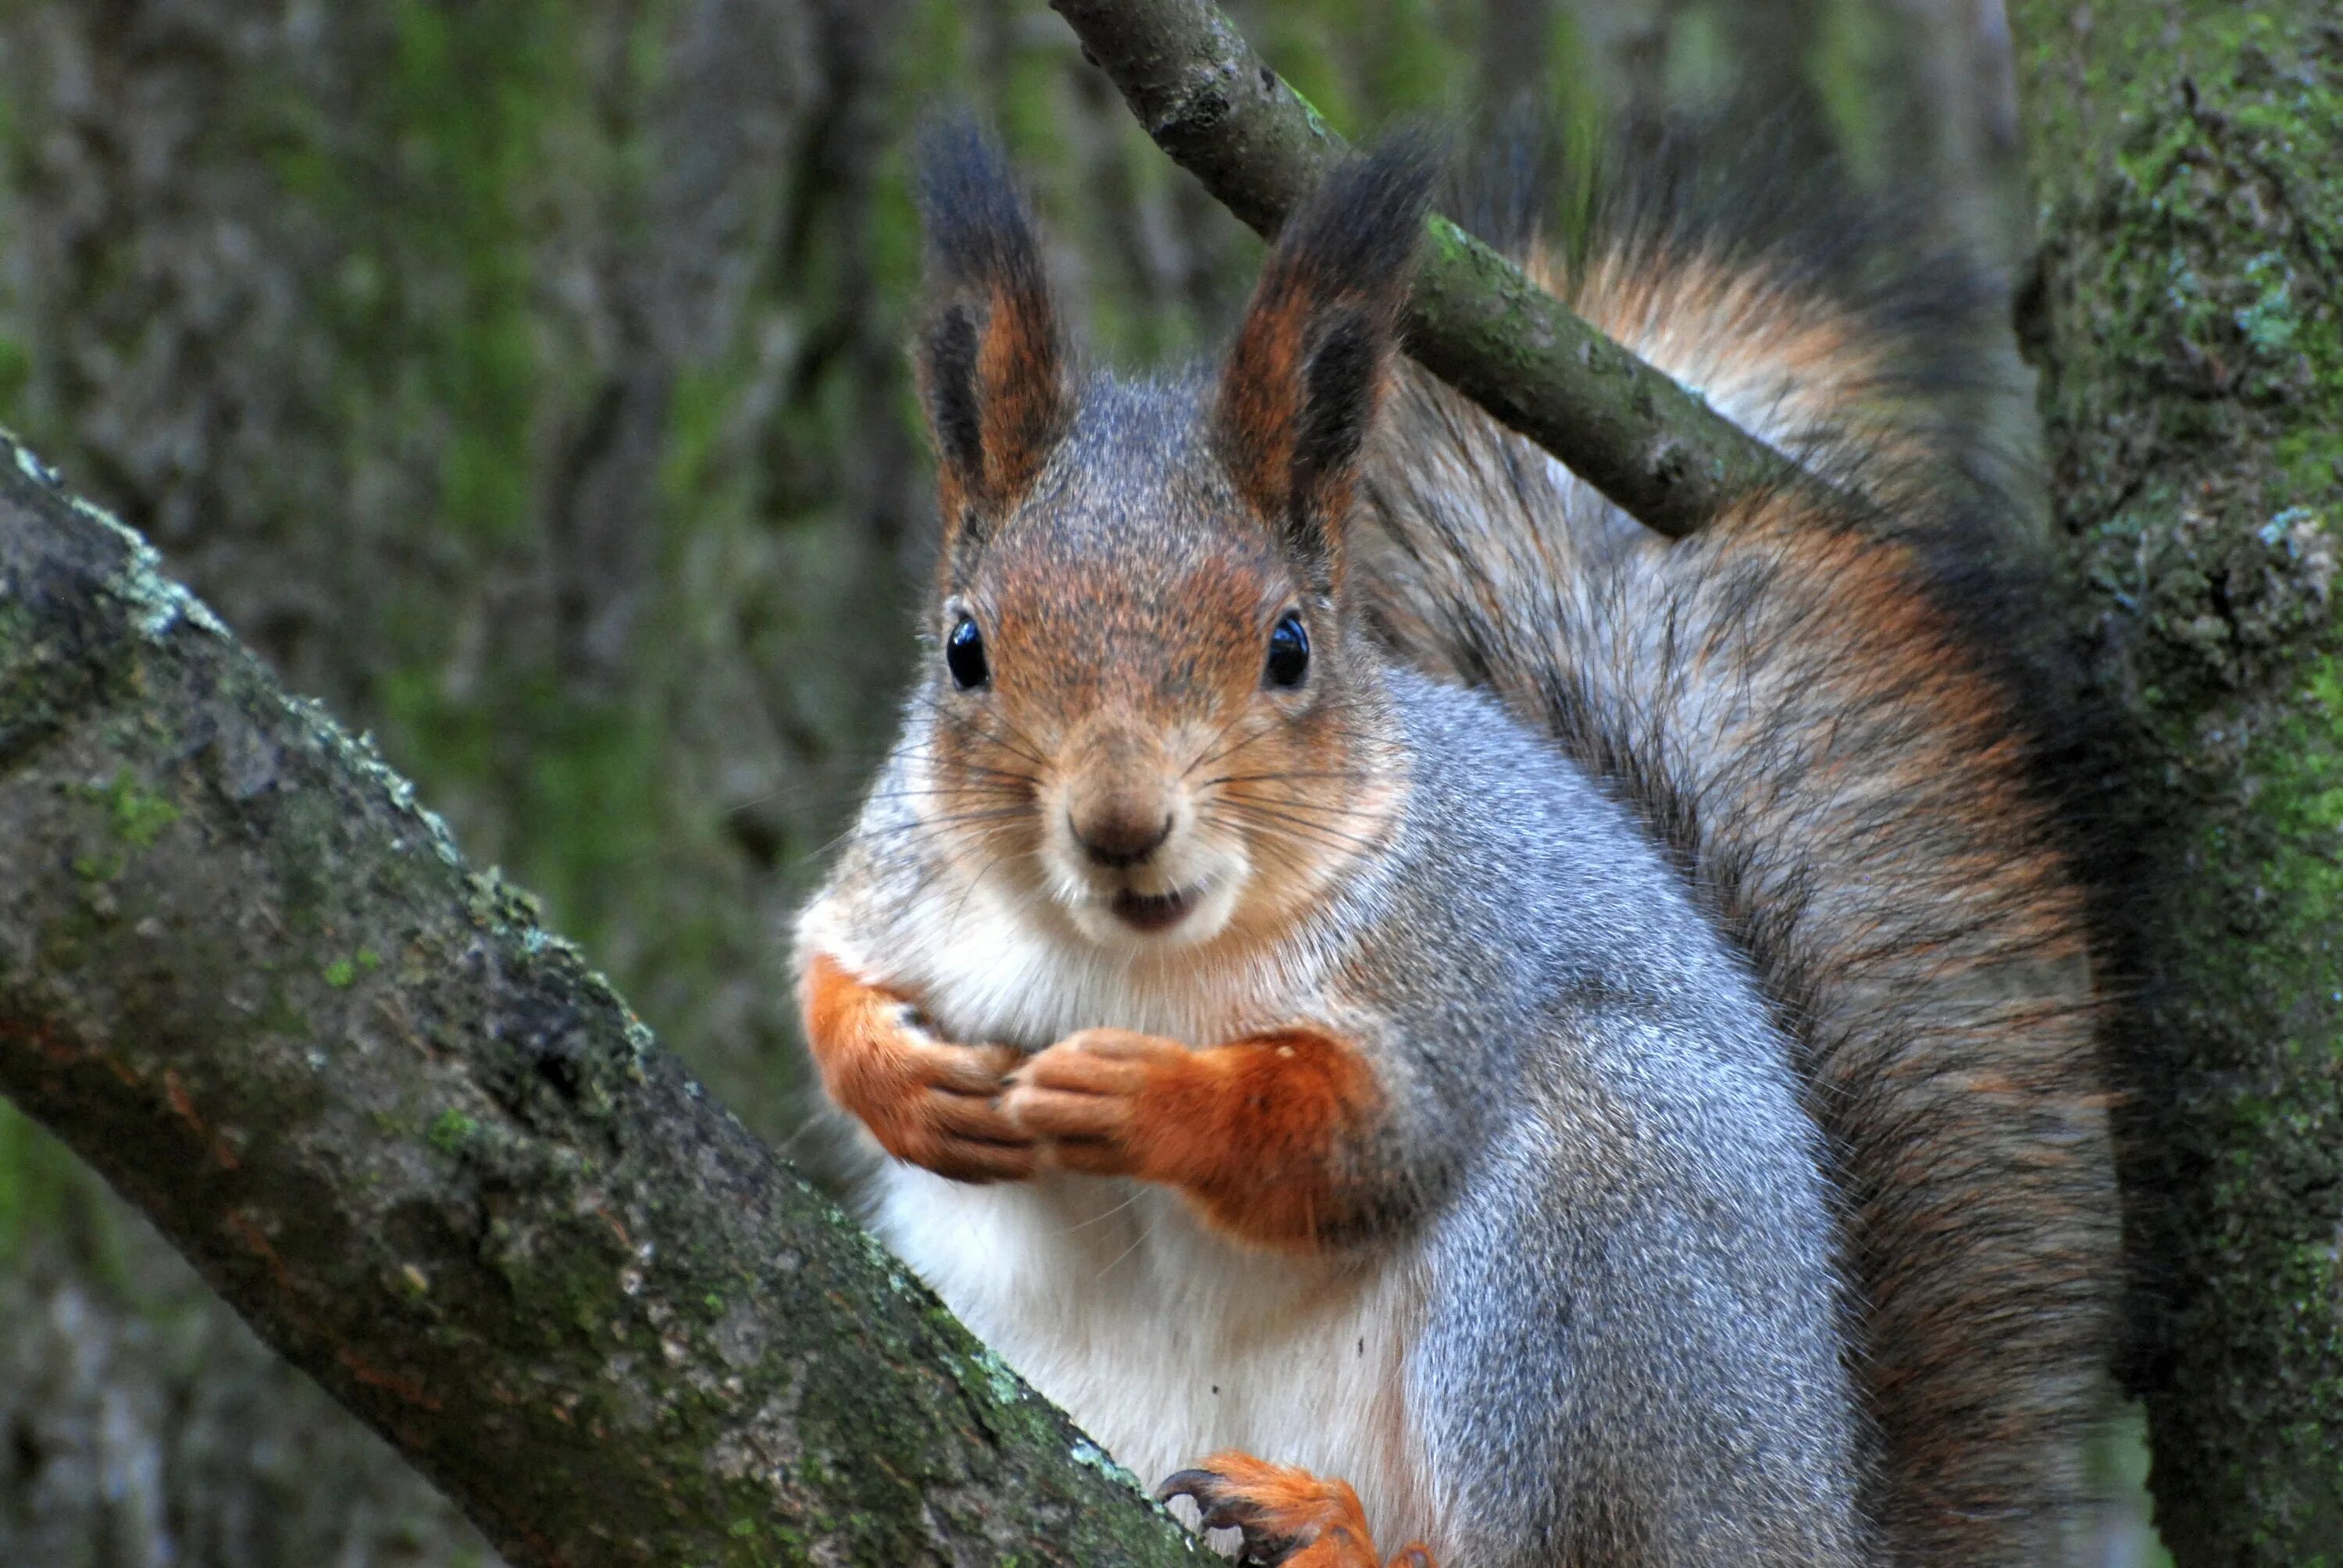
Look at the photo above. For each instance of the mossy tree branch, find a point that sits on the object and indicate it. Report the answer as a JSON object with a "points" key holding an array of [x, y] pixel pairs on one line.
{"points": [[1475, 319], [431, 1156]]}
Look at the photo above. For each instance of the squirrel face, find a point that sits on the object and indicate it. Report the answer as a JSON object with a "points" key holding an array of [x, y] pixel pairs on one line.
{"points": [[1148, 705], [1144, 710]]}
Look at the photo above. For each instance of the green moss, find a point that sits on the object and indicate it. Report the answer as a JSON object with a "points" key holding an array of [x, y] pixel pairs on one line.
{"points": [[452, 1132], [1698, 72], [1305, 44], [468, 91], [36, 1176], [15, 370], [444, 178], [1091, 1456], [1416, 62], [135, 814]]}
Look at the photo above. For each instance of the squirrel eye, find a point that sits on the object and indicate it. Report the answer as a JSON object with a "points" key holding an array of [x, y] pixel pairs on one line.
{"points": [[1289, 652], [964, 655]]}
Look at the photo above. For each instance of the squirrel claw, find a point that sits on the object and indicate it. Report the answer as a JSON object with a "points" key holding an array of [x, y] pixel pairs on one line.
{"points": [[1222, 1505], [1288, 1516], [1219, 1504]]}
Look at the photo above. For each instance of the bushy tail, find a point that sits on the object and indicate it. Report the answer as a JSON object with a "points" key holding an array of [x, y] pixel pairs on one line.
{"points": [[1810, 703]]}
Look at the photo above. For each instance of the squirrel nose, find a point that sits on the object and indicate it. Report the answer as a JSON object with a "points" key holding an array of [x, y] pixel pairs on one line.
{"points": [[1118, 835]]}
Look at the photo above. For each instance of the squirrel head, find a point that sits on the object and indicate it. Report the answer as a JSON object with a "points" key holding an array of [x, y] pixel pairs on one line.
{"points": [[1149, 703]]}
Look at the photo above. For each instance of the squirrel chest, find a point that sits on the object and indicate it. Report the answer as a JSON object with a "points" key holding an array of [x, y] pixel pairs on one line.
{"points": [[1161, 1337], [1164, 1338]]}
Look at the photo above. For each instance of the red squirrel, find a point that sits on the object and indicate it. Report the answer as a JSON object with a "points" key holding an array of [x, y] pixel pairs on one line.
{"points": [[1435, 1017]]}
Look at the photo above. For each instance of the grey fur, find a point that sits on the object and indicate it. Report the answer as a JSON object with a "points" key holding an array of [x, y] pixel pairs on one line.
{"points": [[1632, 1350]]}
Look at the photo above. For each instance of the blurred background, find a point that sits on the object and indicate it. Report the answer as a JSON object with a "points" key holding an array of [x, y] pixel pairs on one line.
{"points": [[523, 378]]}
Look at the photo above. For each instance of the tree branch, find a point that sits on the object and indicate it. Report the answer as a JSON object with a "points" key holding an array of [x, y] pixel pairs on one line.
{"points": [[1476, 321], [431, 1155]]}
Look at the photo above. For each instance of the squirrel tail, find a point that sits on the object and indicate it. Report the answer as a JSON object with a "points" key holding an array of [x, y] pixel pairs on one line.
{"points": [[1822, 706]]}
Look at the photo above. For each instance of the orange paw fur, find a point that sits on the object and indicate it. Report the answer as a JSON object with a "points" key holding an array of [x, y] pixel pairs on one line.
{"points": [[1291, 1518], [928, 1101], [1252, 1132]]}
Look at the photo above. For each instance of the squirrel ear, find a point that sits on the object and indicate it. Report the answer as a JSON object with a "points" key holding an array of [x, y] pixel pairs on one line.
{"points": [[990, 363], [1299, 391]]}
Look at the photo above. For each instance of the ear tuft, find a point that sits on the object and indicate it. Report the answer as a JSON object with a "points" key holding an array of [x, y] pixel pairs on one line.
{"points": [[1298, 395], [992, 362]]}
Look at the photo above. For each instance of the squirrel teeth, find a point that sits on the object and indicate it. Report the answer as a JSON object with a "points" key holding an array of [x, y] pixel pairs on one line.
{"points": [[1152, 911]]}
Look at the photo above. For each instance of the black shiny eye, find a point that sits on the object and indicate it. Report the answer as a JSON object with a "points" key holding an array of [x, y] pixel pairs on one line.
{"points": [[1289, 652], [964, 655]]}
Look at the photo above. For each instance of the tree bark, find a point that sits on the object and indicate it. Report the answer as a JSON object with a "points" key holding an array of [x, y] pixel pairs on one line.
{"points": [[2190, 333], [431, 1155], [504, 376]]}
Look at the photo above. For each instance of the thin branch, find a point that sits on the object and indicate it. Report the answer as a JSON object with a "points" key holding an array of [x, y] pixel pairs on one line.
{"points": [[429, 1152], [1475, 320]]}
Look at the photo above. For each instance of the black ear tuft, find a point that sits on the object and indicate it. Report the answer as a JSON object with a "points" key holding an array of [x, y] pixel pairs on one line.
{"points": [[977, 231], [1298, 395], [992, 363], [1358, 233]]}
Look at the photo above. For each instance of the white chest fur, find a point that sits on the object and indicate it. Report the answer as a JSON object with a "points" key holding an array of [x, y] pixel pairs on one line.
{"points": [[1164, 1340]]}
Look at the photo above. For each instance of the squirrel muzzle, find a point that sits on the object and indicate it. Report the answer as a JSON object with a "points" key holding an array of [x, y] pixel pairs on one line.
{"points": [[1121, 803], [1130, 860]]}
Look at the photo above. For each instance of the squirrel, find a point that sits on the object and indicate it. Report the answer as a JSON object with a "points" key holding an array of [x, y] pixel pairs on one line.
{"points": [[1432, 1014]]}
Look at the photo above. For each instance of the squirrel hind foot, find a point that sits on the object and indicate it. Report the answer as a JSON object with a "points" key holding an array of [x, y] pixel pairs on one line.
{"points": [[1289, 1517]]}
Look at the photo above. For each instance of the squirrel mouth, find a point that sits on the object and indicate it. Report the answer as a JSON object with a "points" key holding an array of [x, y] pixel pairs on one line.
{"points": [[1152, 911]]}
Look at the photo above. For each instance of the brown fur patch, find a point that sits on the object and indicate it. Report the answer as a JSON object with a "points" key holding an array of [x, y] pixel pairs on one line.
{"points": [[1261, 393], [1140, 675], [1021, 389], [1303, 383], [991, 363], [1728, 328]]}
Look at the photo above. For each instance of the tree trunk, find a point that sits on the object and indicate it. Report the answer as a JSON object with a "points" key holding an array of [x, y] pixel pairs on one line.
{"points": [[2190, 333], [431, 1155]]}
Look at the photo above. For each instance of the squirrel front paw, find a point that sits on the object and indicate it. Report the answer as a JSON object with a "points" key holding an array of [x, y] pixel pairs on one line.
{"points": [[1258, 1133], [932, 1102], [1289, 1517], [938, 1106], [1088, 1096]]}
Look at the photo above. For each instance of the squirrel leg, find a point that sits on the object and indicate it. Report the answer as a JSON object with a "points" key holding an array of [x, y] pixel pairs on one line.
{"points": [[929, 1101], [1258, 1133], [1291, 1518]]}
